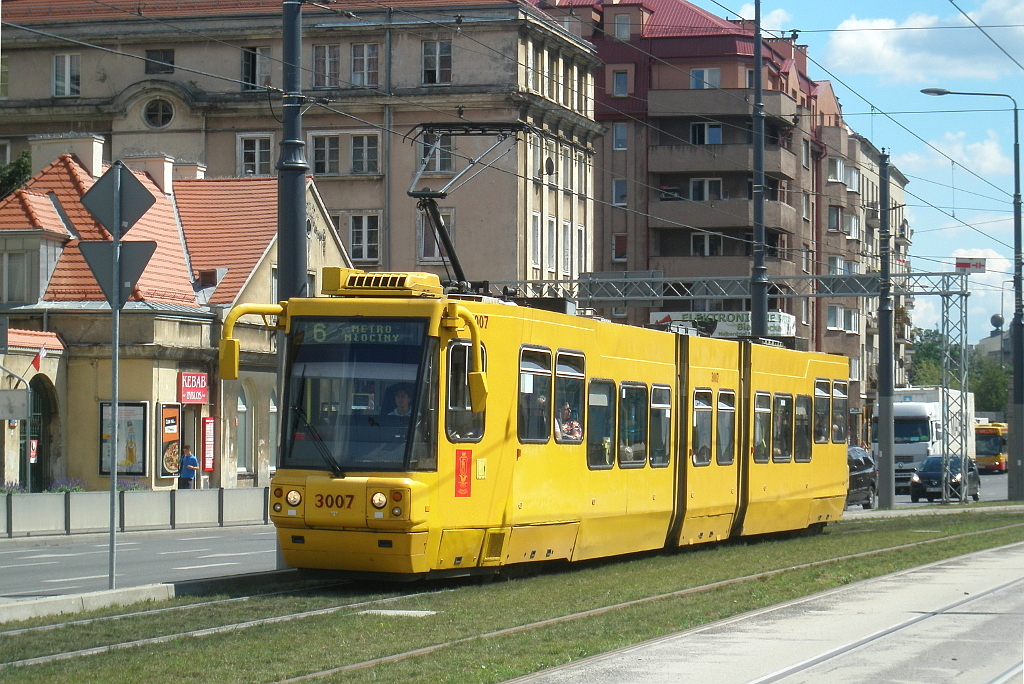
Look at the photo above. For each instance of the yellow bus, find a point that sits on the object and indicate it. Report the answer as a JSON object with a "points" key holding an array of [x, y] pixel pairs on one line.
{"points": [[431, 434], [990, 444]]}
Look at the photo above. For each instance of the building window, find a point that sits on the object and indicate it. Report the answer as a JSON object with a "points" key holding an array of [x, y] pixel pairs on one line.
{"points": [[619, 136], [836, 170], [805, 152], [365, 64], [581, 171], [535, 241], [805, 261], [364, 154], [835, 265], [750, 78], [581, 91], [552, 245], [326, 154], [159, 113], [5, 152], [441, 158], [806, 206], [834, 321], [851, 225], [619, 245], [255, 68], [159, 61], [326, 66], [703, 79], [538, 70], [566, 248], [255, 155], [15, 276], [431, 249], [620, 83], [581, 249], [364, 237], [5, 76], [705, 189], [852, 178], [835, 218], [67, 75], [705, 244], [622, 26], [437, 61], [706, 134], [552, 74], [567, 83], [243, 432], [851, 320], [619, 192], [805, 310]]}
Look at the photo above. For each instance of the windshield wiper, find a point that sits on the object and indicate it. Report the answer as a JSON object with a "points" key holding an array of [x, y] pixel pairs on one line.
{"points": [[318, 441]]}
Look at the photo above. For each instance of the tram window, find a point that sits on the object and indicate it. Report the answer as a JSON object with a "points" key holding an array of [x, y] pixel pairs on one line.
{"points": [[661, 425], [700, 438], [600, 424], [822, 409], [802, 432], [632, 426], [726, 447], [782, 424], [534, 390], [839, 410], [461, 423], [569, 375], [762, 425]]}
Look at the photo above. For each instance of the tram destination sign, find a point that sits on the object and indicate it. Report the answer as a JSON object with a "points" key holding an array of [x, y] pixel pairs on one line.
{"points": [[373, 331]]}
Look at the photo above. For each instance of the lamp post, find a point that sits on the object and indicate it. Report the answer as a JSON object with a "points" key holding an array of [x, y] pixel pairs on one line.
{"points": [[1015, 463]]}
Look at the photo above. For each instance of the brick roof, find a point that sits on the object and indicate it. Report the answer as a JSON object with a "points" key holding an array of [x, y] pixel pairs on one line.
{"points": [[49, 11], [34, 339], [669, 18], [228, 223], [33, 210]]}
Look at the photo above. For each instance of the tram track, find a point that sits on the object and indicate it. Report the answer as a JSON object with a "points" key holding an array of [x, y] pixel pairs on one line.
{"points": [[426, 650]]}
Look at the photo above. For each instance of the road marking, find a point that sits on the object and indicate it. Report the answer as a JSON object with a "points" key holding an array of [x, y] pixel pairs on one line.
{"points": [[216, 536], [168, 553], [91, 576], [210, 565], [65, 555], [26, 565], [243, 553]]}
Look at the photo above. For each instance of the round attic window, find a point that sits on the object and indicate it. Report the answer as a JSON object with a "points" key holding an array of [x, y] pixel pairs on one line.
{"points": [[159, 113]]}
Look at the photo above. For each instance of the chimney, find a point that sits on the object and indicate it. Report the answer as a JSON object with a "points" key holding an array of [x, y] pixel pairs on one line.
{"points": [[88, 150], [158, 166], [189, 171]]}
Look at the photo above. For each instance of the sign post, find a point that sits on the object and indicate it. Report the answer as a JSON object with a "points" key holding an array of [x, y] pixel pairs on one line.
{"points": [[117, 200]]}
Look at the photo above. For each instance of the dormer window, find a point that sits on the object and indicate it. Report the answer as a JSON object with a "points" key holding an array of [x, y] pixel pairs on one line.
{"points": [[622, 26], [14, 277], [208, 278]]}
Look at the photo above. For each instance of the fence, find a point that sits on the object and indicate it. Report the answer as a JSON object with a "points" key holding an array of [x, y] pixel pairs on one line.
{"points": [[29, 515]]}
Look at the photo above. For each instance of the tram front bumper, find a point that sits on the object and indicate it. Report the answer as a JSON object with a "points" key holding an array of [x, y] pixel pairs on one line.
{"points": [[370, 551]]}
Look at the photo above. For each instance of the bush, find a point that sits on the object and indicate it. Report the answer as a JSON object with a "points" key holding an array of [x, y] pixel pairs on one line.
{"points": [[12, 488], [131, 485], [66, 485]]}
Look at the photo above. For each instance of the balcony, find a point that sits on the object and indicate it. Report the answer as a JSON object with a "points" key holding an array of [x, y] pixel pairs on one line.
{"points": [[728, 213], [737, 102], [719, 159], [683, 267]]}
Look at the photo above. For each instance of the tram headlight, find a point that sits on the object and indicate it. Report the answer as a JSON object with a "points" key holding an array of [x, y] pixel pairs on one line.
{"points": [[396, 511], [277, 507], [379, 500], [294, 498]]}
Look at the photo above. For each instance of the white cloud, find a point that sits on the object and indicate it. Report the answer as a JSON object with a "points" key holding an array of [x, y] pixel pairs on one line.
{"points": [[776, 20], [984, 157], [892, 49]]}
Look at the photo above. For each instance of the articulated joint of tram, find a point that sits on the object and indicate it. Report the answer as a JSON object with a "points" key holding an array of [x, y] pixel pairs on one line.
{"points": [[230, 349], [453, 314]]}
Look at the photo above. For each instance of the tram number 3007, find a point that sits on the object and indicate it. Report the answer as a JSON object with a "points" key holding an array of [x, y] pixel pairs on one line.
{"points": [[331, 501]]}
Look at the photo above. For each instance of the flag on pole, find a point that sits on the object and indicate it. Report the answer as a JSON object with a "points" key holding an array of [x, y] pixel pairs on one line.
{"points": [[38, 358]]}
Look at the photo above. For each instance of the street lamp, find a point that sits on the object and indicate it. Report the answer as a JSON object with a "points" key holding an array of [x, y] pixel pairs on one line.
{"points": [[1015, 464]]}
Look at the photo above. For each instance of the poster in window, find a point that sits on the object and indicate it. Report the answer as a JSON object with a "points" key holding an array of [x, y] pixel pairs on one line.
{"points": [[169, 440], [132, 430]]}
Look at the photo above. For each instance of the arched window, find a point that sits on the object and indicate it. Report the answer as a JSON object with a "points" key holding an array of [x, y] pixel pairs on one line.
{"points": [[243, 432]]}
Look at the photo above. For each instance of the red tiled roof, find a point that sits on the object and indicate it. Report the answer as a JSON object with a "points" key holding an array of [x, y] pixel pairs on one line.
{"points": [[32, 210], [47, 11], [669, 18], [228, 223], [34, 339]]}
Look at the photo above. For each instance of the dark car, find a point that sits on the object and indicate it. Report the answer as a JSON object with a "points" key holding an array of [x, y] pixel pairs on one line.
{"points": [[926, 482], [863, 487]]}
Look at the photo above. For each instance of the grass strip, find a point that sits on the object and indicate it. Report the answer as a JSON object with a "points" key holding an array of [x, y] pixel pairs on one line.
{"points": [[278, 652]]}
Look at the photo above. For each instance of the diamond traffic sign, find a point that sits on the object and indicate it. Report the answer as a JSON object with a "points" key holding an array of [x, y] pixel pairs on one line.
{"points": [[134, 198], [99, 254]]}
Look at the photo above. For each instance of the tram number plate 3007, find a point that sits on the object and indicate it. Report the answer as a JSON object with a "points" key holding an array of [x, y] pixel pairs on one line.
{"points": [[332, 501]]}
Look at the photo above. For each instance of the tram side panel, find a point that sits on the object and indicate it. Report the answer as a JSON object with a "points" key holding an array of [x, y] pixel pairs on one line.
{"points": [[709, 495], [795, 461]]}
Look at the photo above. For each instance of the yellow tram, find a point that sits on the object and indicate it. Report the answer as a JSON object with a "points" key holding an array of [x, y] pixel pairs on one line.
{"points": [[432, 434]]}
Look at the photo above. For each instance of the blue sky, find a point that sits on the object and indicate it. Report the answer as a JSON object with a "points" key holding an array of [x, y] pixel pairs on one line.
{"points": [[879, 55]]}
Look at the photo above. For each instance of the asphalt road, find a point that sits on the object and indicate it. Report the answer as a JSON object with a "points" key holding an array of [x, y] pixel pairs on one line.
{"points": [[51, 566]]}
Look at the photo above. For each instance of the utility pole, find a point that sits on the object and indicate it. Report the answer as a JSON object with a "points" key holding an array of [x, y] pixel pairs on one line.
{"points": [[292, 166], [759, 271], [886, 463]]}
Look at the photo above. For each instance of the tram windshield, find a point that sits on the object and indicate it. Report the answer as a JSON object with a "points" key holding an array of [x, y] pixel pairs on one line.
{"points": [[362, 395]]}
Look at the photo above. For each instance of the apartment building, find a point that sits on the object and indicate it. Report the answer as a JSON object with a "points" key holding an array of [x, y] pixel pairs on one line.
{"points": [[674, 174], [199, 81]]}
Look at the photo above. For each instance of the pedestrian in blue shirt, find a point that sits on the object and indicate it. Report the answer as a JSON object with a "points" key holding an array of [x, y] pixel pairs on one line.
{"points": [[189, 469]]}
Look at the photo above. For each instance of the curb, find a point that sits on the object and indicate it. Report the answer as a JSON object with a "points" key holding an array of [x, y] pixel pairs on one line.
{"points": [[76, 603]]}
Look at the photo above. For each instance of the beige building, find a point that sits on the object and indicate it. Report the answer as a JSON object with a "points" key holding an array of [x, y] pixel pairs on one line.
{"points": [[201, 83], [216, 246]]}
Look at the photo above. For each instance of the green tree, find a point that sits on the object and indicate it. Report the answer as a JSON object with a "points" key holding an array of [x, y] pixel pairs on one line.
{"points": [[990, 383], [929, 345], [14, 175]]}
